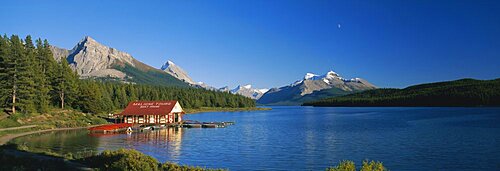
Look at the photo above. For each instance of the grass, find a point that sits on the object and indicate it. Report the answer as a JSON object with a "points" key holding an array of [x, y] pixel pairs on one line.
{"points": [[55, 118]]}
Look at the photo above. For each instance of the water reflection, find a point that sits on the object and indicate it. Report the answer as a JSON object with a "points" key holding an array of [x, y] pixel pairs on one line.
{"points": [[168, 139], [68, 142]]}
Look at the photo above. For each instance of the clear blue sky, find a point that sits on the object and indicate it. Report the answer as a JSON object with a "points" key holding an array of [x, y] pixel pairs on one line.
{"points": [[271, 43]]}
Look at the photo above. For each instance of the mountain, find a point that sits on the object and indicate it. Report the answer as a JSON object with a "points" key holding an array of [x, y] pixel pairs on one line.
{"points": [[248, 91], [224, 89], [177, 72], [464, 92], [91, 59], [313, 87], [59, 53]]}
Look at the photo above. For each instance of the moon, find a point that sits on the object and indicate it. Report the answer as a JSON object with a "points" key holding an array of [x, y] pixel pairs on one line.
{"points": [[338, 26]]}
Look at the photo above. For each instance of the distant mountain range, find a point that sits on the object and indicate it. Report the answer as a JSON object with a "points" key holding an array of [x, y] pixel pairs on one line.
{"points": [[313, 87], [248, 91], [176, 71], [464, 92], [91, 59]]}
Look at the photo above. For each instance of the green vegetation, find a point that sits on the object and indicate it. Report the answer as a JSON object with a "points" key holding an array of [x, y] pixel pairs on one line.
{"points": [[149, 77], [122, 159], [128, 159], [347, 165], [54, 118], [31, 81], [464, 92]]}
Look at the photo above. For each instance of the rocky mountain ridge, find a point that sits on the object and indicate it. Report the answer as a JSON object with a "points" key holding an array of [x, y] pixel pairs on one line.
{"points": [[91, 59]]}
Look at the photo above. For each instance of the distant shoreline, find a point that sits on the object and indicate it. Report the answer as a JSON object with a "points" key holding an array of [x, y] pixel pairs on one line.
{"points": [[220, 109]]}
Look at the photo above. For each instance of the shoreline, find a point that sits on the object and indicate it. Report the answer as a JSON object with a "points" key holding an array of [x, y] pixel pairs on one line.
{"points": [[4, 139]]}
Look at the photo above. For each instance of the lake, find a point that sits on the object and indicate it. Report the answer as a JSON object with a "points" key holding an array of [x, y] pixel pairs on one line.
{"points": [[309, 138]]}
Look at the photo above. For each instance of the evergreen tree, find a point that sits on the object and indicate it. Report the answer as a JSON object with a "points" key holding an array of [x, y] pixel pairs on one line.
{"points": [[65, 84], [42, 98], [5, 85], [17, 79]]}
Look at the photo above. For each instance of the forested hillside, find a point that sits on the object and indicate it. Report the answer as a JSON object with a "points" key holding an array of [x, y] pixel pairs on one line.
{"points": [[32, 81], [465, 92]]}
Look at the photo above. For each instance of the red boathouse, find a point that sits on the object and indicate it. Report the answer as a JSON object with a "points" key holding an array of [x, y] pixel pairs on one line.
{"points": [[152, 112]]}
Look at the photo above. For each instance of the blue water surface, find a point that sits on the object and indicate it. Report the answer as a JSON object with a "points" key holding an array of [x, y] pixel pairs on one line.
{"points": [[311, 138]]}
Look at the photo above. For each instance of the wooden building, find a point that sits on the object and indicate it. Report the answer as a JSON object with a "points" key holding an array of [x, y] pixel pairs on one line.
{"points": [[152, 112]]}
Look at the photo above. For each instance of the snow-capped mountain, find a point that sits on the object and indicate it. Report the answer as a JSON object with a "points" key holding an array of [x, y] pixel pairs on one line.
{"points": [[177, 72], [224, 89], [248, 91], [294, 93]]}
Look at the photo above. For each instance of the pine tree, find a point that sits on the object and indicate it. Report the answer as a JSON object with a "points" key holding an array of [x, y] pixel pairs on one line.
{"points": [[42, 98], [19, 77], [5, 86], [65, 84]]}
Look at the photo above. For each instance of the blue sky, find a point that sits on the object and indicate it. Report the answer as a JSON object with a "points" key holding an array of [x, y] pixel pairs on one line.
{"points": [[270, 43]]}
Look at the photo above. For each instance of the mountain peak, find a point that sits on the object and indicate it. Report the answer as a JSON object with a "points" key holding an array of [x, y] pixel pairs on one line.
{"points": [[169, 62], [92, 59], [248, 91], [177, 72], [332, 73], [248, 86], [88, 39], [309, 76]]}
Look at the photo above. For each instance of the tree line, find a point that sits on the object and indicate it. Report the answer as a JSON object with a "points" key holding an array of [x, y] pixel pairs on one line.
{"points": [[464, 92], [31, 81]]}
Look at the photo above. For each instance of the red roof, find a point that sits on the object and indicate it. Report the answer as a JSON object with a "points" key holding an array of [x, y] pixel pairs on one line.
{"points": [[149, 108]]}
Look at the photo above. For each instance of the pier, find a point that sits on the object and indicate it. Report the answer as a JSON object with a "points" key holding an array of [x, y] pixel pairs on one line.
{"points": [[129, 127]]}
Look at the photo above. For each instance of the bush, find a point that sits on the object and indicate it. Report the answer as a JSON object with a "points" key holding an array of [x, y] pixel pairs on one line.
{"points": [[345, 165], [123, 159], [348, 165], [372, 166]]}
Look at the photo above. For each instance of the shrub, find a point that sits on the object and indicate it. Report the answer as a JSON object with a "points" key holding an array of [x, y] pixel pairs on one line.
{"points": [[345, 165], [168, 166], [123, 159], [372, 166], [348, 165]]}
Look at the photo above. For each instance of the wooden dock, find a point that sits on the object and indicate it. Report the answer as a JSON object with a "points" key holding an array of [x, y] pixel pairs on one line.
{"points": [[127, 127]]}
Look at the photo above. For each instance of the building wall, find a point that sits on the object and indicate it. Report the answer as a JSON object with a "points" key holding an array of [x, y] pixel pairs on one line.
{"points": [[156, 119]]}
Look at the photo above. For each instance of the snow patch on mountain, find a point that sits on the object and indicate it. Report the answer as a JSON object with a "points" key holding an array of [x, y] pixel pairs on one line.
{"points": [[176, 71], [248, 91]]}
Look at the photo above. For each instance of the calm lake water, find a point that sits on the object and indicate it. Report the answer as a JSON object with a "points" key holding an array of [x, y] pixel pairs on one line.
{"points": [[308, 138]]}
